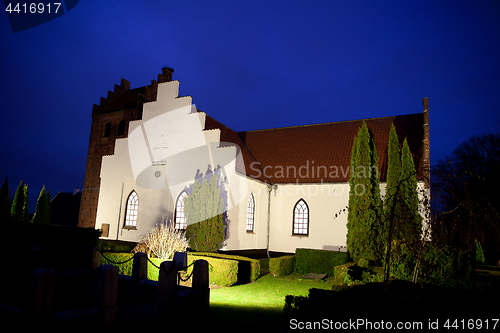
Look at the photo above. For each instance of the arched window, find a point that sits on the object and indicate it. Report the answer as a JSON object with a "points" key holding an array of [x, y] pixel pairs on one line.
{"points": [[180, 216], [250, 213], [131, 210], [301, 218], [107, 130], [121, 127]]}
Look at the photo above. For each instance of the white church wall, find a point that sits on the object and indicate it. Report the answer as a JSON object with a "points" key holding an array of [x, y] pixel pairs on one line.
{"points": [[326, 231], [239, 238]]}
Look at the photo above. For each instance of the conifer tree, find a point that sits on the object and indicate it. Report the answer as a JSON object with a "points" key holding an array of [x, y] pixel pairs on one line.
{"points": [[377, 201], [352, 208], [393, 177], [205, 219], [16, 210], [42, 210], [409, 193], [364, 211], [26, 212], [403, 223]]}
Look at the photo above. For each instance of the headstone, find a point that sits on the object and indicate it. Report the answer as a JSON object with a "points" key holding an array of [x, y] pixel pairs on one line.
{"points": [[105, 295]]}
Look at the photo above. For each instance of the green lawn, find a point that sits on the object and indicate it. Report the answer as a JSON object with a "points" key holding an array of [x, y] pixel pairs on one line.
{"points": [[259, 304], [268, 292]]}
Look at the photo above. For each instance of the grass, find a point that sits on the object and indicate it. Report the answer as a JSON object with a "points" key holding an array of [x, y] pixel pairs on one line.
{"points": [[268, 292], [258, 304]]}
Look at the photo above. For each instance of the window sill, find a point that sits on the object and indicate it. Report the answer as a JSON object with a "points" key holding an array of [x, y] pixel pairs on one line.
{"points": [[300, 235], [251, 232], [129, 228]]}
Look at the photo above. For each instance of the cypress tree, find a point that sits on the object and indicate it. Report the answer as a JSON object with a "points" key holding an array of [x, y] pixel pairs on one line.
{"points": [[352, 221], [363, 219], [377, 205], [412, 219], [406, 225], [16, 210], [393, 177], [42, 210], [205, 218], [26, 212]]}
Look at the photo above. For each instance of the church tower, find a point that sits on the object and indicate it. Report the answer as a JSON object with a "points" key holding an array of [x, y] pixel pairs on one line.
{"points": [[110, 121]]}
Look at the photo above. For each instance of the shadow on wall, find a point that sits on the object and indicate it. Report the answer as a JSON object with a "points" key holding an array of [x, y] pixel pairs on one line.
{"points": [[335, 248]]}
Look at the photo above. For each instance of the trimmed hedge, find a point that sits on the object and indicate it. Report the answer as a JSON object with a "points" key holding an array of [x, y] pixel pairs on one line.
{"points": [[124, 262], [318, 261], [248, 269], [222, 272], [282, 266]]}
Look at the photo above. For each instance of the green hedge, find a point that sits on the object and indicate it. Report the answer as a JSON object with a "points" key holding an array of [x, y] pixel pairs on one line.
{"points": [[318, 261], [248, 269], [281, 266], [222, 272], [124, 262]]}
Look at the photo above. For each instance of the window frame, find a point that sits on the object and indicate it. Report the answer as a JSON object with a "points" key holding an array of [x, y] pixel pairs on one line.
{"points": [[130, 208], [179, 225], [250, 214], [300, 222]]}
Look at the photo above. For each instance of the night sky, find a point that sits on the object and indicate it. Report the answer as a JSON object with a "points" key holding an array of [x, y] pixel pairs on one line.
{"points": [[250, 65]]}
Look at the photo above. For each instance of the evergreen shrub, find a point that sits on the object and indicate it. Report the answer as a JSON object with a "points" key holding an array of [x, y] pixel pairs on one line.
{"points": [[282, 266], [248, 269], [479, 254], [222, 272], [124, 262], [318, 261], [118, 260], [446, 265], [341, 274]]}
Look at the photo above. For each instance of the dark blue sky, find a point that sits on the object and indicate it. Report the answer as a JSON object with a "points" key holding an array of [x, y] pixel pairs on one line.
{"points": [[250, 65]]}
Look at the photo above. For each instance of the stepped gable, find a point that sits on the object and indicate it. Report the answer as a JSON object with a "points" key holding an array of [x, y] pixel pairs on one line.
{"points": [[124, 98]]}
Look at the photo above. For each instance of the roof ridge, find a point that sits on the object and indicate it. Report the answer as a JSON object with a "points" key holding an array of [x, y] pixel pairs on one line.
{"points": [[327, 123]]}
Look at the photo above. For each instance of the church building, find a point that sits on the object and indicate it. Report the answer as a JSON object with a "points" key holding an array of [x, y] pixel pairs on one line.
{"points": [[284, 188]]}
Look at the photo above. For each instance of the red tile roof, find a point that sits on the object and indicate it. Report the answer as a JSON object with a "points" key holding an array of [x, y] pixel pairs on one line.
{"points": [[229, 136], [321, 153]]}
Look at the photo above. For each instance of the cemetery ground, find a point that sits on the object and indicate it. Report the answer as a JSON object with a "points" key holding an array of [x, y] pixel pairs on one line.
{"points": [[258, 306]]}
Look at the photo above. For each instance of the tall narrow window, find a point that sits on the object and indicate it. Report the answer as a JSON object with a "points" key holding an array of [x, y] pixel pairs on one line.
{"points": [[131, 210], [180, 216], [121, 127], [107, 130], [250, 213], [301, 218]]}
